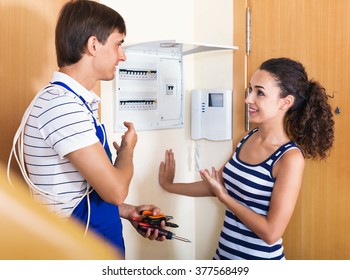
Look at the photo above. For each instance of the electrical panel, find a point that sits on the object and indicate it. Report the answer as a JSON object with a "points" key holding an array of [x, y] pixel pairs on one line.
{"points": [[149, 89], [149, 84]]}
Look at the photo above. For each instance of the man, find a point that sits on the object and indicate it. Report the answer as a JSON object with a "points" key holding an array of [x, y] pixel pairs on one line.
{"points": [[66, 152]]}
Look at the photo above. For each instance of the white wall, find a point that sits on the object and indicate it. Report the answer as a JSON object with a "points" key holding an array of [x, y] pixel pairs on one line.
{"points": [[200, 219]]}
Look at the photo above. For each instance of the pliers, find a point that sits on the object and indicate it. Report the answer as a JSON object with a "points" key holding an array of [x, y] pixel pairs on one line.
{"points": [[147, 217], [148, 220]]}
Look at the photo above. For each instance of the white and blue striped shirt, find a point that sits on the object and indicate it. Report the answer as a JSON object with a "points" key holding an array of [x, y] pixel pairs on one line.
{"points": [[59, 123], [252, 186]]}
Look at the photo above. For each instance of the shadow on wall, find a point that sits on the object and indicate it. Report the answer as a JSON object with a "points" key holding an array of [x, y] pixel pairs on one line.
{"points": [[27, 58]]}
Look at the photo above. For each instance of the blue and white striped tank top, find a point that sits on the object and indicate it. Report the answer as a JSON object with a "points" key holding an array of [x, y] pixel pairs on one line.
{"points": [[252, 186]]}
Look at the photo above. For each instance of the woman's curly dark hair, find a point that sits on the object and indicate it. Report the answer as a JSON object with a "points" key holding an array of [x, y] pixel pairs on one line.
{"points": [[309, 122]]}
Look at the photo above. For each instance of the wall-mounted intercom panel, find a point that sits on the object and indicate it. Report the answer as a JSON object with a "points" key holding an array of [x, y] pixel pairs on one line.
{"points": [[211, 114], [149, 90]]}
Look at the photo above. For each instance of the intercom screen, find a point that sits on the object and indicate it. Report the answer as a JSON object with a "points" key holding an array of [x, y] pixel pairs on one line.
{"points": [[216, 100]]}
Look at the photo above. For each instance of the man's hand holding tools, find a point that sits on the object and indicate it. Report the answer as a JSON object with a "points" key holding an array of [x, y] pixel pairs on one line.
{"points": [[147, 220]]}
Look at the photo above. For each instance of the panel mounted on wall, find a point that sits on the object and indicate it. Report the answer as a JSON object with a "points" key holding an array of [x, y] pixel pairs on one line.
{"points": [[149, 84]]}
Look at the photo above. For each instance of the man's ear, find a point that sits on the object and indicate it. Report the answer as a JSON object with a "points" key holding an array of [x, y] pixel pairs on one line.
{"points": [[287, 102], [91, 45]]}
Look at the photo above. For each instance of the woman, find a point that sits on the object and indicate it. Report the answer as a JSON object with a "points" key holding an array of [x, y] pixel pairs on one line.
{"points": [[260, 183]]}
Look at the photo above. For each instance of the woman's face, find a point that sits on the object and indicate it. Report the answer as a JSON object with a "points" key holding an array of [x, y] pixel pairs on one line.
{"points": [[264, 98]]}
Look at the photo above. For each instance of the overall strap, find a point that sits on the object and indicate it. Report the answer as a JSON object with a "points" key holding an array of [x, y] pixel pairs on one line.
{"points": [[100, 128]]}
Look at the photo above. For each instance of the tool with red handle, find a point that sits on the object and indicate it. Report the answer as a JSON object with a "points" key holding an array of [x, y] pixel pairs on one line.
{"points": [[147, 220], [161, 232]]}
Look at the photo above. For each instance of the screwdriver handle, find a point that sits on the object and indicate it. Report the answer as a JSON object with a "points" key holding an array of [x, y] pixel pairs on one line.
{"points": [[161, 232]]}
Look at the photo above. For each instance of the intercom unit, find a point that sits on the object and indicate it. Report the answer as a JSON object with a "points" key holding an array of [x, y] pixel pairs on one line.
{"points": [[211, 114]]}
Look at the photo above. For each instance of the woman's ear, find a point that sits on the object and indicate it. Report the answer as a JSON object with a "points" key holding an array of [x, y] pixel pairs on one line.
{"points": [[287, 102]]}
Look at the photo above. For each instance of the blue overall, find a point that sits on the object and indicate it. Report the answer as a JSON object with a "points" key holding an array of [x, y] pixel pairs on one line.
{"points": [[104, 216]]}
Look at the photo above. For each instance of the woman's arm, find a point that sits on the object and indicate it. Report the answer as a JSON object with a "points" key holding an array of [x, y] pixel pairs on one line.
{"points": [[166, 180], [283, 200]]}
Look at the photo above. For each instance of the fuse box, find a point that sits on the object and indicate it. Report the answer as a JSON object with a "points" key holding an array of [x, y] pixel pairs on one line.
{"points": [[149, 84]]}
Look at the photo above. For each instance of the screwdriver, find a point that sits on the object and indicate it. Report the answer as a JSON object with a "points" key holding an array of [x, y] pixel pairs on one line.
{"points": [[168, 234]]}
